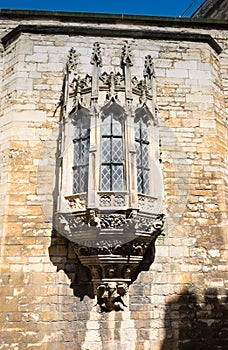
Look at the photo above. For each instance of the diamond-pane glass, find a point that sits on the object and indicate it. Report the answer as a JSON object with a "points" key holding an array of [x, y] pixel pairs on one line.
{"points": [[117, 177], [138, 154], [146, 182], [142, 155], [144, 131], [106, 176], [76, 181], [139, 180], [84, 152], [145, 156], [106, 126], [106, 149], [76, 153], [116, 128], [77, 132], [117, 152], [112, 153], [81, 153], [137, 130], [83, 179], [85, 127]]}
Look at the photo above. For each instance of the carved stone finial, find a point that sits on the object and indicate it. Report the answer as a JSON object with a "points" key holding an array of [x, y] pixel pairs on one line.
{"points": [[126, 64], [148, 71], [72, 63], [96, 55], [126, 57]]}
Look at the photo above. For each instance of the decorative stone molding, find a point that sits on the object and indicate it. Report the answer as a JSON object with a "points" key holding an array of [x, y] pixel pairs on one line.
{"points": [[114, 199], [77, 202]]}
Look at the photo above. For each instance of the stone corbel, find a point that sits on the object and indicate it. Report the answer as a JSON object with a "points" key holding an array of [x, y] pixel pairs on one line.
{"points": [[112, 247]]}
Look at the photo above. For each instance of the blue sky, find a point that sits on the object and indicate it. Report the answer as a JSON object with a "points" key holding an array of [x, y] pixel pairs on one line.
{"points": [[170, 8]]}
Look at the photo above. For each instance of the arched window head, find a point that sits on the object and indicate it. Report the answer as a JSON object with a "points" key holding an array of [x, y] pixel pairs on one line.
{"points": [[112, 170], [142, 151], [81, 140]]}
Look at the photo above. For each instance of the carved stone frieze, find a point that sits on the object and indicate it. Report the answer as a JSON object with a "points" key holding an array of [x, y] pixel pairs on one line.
{"points": [[77, 201], [112, 200], [113, 221], [114, 82]]}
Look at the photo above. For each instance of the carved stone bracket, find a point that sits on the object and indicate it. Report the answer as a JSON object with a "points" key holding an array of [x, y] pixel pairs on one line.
{"points": [[112, 246]]}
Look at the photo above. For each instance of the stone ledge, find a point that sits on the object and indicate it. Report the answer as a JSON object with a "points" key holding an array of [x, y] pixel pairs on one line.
{"points": [[111, 32], [114, 18]]}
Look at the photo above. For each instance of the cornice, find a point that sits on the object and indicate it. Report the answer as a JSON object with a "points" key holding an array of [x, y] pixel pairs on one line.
{"points": [[111, 32], [87, 17]]}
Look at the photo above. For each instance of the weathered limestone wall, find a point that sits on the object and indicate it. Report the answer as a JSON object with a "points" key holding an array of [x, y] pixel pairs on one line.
{"points": [[181, 302]]}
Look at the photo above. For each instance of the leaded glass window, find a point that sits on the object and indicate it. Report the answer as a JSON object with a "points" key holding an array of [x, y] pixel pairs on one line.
{"points": [[112, 153], [81, 152], [142, 155]]}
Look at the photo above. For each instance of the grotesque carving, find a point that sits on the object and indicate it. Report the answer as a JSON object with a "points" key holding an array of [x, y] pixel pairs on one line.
{"points": [[110, 296]]}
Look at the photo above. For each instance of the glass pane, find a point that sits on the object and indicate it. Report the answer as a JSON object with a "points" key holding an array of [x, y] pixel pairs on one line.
{"points": [[145, 156], [139, 180], [105, 177], [77, 130], [146, 182], [117, 178], [138, 154], [144, 132], [117, 152], [83, 179], [85, 127], [137, 130], [84, 152], [76, 181], [106, 149], [116, 127], [77, 153], [106, 126]]}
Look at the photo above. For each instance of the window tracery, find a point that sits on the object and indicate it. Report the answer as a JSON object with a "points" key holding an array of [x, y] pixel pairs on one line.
{"points": [[112, 151], [142, 154]]}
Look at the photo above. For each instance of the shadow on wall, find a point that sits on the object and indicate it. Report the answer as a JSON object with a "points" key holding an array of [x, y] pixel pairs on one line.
{"points": [[64, 258], [197, 323]]}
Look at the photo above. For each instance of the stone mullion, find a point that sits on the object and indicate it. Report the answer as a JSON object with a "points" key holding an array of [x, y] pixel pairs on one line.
{"points": [[93, 176], [131, 168]]}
